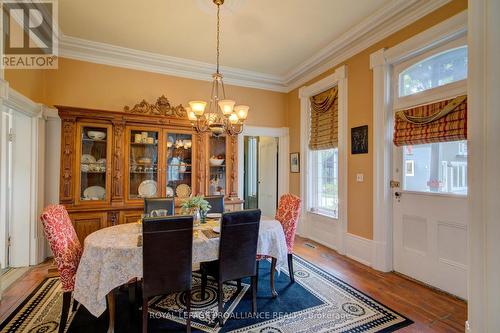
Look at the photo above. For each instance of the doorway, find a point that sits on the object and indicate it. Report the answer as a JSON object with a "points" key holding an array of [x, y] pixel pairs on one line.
{"points": [[260, 186]]}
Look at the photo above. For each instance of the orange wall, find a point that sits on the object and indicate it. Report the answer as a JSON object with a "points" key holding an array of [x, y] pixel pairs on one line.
{"points": [[28, 82], [360, 109], [89, 85]]}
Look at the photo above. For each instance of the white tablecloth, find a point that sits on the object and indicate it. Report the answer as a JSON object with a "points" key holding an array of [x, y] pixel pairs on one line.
{"points": [[111, 258]]}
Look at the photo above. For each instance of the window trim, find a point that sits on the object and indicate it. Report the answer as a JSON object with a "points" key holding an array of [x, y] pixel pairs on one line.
{"points": [[436, 94]]}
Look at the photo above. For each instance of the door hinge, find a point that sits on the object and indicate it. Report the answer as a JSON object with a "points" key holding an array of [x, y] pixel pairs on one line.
{"points": [[9, 242], [11, 135]]}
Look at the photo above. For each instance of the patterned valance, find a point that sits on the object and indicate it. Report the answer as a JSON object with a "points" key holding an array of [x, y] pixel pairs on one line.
{"points": [[324, 120], [437, 122]]}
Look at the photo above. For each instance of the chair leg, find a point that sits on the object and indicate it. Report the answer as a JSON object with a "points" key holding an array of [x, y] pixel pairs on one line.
{"points": [[75, 305], [145, 315], [220, 302], [254, 295], [257, 275], [65, 310], [203, 284], [273, 270], [132, 292], [188, 309], [238, 283], [290, 267]]}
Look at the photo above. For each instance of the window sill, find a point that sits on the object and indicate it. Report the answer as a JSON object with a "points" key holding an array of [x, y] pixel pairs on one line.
{"points": [[323, 215]]}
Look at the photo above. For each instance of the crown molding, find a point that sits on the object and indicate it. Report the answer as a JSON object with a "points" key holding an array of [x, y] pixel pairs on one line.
{"points": [[389, 19], [107, 54], [381, 24]]}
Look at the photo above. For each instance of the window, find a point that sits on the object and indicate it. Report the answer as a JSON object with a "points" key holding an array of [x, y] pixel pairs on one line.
{"points": [[437, 167], [410, 168], [324, 185], [438, 70], [436, 75]]}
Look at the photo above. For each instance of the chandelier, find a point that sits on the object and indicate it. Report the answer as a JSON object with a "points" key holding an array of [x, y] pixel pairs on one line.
{"points": [[222, 116]]}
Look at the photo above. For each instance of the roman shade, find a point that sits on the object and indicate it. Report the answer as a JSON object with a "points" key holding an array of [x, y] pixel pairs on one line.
{"points": [[436, 122], [324, 120]]}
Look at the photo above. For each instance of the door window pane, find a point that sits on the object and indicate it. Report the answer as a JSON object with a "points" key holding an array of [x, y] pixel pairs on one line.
{"points": [[325, 182], [435, 71], [436, 167]]}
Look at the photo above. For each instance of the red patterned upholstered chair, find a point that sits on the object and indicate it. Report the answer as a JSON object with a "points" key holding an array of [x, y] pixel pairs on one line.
{"points": [[67, 251], [288, 214]]}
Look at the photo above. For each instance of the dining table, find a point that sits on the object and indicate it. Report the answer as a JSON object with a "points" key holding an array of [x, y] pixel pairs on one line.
{"points": [[112, 257]]}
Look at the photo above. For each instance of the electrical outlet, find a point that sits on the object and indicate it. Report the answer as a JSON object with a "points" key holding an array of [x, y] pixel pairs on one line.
{"points": [[359, 177]]}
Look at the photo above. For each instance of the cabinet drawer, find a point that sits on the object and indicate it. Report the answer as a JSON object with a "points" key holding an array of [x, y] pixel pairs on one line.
{"points": [[130, 216], [87, 223]]}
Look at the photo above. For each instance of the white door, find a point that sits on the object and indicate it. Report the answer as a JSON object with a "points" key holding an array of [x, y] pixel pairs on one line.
{"points": [[268, 175], [430, 214], [21, 191], [5, 185]]}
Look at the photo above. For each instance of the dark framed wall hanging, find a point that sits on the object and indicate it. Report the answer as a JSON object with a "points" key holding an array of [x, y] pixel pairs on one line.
{"points": [[359, 140], [294, 162]]}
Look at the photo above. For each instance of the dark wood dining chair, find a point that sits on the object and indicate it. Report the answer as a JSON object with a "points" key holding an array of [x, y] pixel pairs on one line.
{"points": [[167, 260], [237, 250], [151, 204], [216, 202]]}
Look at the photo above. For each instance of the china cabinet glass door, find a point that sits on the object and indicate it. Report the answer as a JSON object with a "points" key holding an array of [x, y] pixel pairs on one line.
{"points": [[143, 163], [94, 145], [179, 168], [217, 178]]}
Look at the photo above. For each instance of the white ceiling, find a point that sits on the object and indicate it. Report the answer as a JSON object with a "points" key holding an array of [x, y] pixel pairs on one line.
{"points": [[266, 36]]}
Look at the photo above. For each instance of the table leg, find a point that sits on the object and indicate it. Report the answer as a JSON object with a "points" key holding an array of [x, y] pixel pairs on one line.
{"points": [[273, 270], [112, 310]]}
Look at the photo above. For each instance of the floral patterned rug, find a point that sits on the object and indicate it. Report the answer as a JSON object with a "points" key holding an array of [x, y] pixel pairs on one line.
{"points": [[316, 302]]}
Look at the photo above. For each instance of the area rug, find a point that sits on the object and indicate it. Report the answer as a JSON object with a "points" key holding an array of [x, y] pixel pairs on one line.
{"points": [[40, 312], [316, 302]]}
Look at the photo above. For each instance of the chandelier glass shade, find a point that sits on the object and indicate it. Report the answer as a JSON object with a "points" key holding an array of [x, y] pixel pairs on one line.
{"points": [[220, 115]]}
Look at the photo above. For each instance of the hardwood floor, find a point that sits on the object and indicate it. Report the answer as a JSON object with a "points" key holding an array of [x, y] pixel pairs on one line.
{"points": [[17, 292], [431, 310]]}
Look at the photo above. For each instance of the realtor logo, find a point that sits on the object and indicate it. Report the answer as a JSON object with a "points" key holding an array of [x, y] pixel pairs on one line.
{"points": [[28, 34]]}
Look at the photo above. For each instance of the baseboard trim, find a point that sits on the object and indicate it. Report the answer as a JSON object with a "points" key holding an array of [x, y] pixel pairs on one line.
{"points": [[330, 246], [359, 249]]}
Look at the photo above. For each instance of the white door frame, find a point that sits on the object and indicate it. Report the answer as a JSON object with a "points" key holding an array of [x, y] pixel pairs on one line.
{"points": [[325, 233], [381, 62], [31, 241], [283, 139], [484, 158]]}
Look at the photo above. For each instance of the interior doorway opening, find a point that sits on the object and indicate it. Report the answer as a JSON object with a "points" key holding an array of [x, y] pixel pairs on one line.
{"points": [[260, 186]]}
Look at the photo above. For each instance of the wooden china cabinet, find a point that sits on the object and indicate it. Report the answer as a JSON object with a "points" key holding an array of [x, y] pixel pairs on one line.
{"points": [[111, 161]]}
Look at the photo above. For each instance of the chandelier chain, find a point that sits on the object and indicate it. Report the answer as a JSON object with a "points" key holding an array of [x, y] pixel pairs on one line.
{"points": [[218, 37]]}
